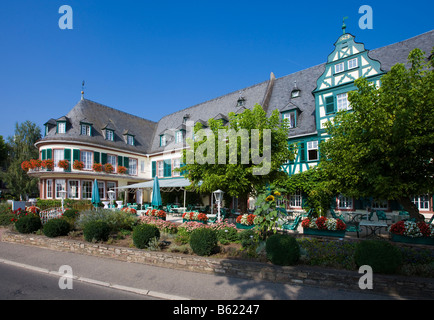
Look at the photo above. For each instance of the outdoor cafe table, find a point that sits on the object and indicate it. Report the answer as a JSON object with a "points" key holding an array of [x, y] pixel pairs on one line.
{"points": [[179, 209], [373, 226]]}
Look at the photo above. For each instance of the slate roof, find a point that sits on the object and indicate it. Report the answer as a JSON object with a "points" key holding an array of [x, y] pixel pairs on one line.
{"points": [[102, 117], [271, 94]]}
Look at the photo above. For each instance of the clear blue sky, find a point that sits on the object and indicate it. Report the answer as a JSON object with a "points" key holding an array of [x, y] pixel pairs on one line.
{"points": [[151, 58]]}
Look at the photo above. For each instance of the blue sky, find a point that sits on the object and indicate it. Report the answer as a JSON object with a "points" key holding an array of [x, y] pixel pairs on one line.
{"points": [[151, 58]]}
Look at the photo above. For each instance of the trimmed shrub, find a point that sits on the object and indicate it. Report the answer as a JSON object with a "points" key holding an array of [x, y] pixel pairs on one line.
{"points": [[117, 220], [282, 250], [96, 231], [28, 224], [71, 213], [203, 241], [143, 234], [248, 238], [382, 256], [56, 227]]}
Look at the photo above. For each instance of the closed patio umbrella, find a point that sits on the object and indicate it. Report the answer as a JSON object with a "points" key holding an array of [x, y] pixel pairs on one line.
{"points": [[95, 194], [156, 195]]}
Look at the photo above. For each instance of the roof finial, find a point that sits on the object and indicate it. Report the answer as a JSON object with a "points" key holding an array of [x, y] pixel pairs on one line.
{"points": [[82, 90], [344, 26]]}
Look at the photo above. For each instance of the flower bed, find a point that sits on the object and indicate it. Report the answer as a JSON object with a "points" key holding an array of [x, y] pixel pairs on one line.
{"points": [[129, 210], [160, 214], [412, 232], [195, 216], [323, 226]]}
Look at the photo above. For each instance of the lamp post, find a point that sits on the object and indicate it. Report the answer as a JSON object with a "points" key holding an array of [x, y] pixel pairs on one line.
{"points": [[62, 196], [218, 195], [111, 195]]}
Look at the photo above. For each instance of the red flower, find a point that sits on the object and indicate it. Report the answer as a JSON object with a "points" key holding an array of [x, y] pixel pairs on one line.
{"points": [[305, 223], [398, 228], [320, 222], [424, 228]]}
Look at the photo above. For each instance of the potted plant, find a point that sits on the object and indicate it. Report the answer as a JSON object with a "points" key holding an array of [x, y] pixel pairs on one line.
{"points": [[25, 165], [159, 214], [78, 165], [64, 164], [129, 210], [97, 167], [412, 232], [47, 164], [108, 168], [323, 226], [35, 163], [246, 221], [121, 170]]}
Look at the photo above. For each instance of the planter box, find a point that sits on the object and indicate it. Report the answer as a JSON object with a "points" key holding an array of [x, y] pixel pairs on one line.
{"points": [[418, 240], [324, 233], [243, 226]]}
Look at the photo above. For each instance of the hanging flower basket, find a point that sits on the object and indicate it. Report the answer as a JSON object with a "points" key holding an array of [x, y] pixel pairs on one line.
{"points": [[78, 165]]}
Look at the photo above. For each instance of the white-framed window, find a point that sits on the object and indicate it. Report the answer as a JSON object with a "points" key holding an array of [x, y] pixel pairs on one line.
{"points": [[312, 150], [179, 136], [163, 140], [176, 164], [86, 189], [130, 140], [160, 168], [58, 154], [59, 186], [422, 202], [291, 118], [345, 202], [339, 67], [353, 63], [109, 135], [86, 158], [73, 189], [86, 130], [61, 127], [380, 204], [295, 200], [112, 160], [132, 166], [342, 102], [49, 188], [101, 189]]}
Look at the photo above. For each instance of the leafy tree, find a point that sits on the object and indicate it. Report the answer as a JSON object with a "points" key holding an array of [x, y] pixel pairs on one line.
{"points": [[3, 152], [384, 147], [22, 147], [238, 165]]}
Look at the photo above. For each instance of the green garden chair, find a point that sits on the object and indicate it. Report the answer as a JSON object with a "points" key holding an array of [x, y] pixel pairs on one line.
{"points": [[352, 226], [381, 215]]}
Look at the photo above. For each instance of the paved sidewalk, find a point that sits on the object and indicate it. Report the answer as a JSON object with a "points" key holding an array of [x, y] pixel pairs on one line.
{"points": [[163, 282]]}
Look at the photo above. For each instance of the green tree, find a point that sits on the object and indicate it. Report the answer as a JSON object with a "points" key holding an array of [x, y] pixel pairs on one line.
{"points": [[3, 152], [247, 167], [21, 147], [384, 147]]}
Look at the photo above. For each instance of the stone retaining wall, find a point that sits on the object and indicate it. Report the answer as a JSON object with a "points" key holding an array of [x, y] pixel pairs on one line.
{"points": [[301, 275]]}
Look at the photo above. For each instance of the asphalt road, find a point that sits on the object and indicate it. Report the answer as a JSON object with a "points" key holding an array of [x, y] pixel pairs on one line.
{"points": [[157, 282]]}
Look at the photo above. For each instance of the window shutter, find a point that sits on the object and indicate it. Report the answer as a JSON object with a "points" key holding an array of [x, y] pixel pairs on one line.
{"points": [[43, 154], [75, 155], [330, 104], [49, 154], [154, 168], [103, 158], [302, 152], [120, 161], [167, 168], [67, 156], [96, 157], [127, 163], [183, 172]]}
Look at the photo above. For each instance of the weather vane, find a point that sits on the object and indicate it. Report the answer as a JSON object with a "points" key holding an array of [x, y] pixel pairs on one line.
{"points": [[344, 26], [82, 89]]}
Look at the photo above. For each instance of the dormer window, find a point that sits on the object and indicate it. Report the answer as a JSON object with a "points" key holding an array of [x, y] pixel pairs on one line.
{"points": [[109, 135], [241, 102], [86, 130], [130, 140], [61, 127], [295, 93], [291, 116], [179, 136], [163, 140]]}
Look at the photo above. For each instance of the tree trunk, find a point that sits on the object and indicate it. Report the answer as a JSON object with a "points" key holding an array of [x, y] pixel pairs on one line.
{"points": [[411, 208], [242, 202]]}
